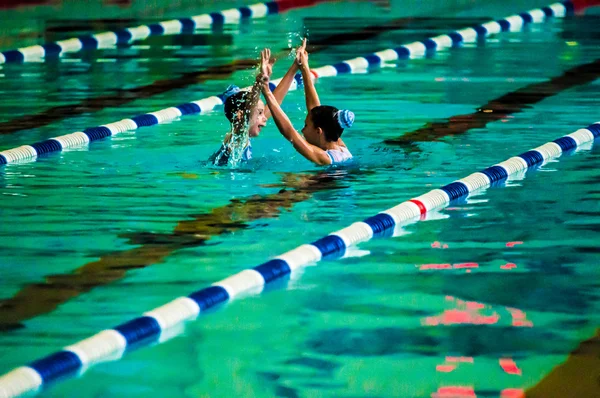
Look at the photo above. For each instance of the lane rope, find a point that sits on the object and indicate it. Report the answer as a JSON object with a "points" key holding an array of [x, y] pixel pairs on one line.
{"points": [[152, 326], [111, 39], [418, 49]]}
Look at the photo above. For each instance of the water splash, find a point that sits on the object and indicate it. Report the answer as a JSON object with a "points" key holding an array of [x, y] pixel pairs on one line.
{"points": [[232, 153], [237, 145], [237, 140]]}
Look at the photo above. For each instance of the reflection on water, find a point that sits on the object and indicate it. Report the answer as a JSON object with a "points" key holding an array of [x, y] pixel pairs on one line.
{"points": [[152, 248], [483, 298]]}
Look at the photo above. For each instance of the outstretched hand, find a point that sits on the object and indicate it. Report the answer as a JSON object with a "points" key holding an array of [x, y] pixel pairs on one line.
{"points": [[266, 67], [302, 55]]}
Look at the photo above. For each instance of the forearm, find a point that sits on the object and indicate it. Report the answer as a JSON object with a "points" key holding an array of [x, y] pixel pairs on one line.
{"points": [[286, 129], [281, 120], [310, 92], [254, 96], [284, 85]]}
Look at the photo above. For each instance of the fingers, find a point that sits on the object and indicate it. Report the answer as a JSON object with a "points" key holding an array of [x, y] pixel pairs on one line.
{"points": [[300, 52], [302, 47], [265, 57]]}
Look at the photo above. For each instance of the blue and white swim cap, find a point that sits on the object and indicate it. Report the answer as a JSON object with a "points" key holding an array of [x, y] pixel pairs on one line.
{"points": [[345, 118], [231, 90]]}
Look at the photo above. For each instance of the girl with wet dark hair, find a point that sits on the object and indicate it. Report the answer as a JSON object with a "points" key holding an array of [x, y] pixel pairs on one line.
{"points": [[323, 126], [247, 115]]}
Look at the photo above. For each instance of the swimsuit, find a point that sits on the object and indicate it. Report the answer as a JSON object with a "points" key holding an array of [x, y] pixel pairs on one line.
{"points": [[221, 157], [339, 155]]}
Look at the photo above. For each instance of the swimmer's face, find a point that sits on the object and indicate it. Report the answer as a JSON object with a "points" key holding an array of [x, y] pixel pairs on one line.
{"points": [[258, 120], [310, 132]]}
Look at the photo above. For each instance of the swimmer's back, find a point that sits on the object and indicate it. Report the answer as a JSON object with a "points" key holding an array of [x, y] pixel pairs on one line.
{"points": [[339, 155]]}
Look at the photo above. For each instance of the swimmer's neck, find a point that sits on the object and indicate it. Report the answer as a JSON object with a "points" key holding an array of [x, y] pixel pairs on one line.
{"points": [[332, 145]]}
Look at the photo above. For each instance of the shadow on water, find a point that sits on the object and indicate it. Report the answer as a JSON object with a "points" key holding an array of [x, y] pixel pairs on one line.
{"points": [[119, 97], [40, 298], [499, 108]]}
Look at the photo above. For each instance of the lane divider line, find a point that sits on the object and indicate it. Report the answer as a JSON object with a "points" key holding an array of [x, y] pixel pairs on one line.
{"points": [[112, 343], [408, 51], [111, 39]]}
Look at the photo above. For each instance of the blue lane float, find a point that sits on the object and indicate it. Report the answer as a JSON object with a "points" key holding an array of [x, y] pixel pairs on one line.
{"points": [[112, 343], [357, 65], [111, 39], [420, 49], [149, 328]]}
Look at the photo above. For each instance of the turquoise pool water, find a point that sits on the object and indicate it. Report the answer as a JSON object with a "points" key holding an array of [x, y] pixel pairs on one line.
{"points": [[93, 237]]}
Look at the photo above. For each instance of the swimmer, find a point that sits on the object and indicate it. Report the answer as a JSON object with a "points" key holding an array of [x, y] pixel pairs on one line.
{"points": [[246, 113], [323, 126]]}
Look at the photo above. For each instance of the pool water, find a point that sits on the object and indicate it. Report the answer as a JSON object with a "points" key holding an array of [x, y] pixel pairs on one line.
{"points": [[482, 298]]}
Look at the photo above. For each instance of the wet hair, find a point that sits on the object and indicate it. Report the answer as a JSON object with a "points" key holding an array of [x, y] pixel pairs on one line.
{"points": [[237, 102], [331, 120]]}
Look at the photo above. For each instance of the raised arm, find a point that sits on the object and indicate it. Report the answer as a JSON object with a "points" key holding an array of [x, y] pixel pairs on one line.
{"points": [[254, 97], [310, 92], [283, 87], [285, 127]]}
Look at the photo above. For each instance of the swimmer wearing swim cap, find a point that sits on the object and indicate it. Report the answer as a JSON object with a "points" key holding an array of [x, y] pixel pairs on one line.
{"points": [[247, 115], [321, 141]]}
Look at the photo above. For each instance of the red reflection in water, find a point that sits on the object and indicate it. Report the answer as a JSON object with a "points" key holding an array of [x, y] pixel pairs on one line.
{"points": [[466, 265], [445, 368], [513, 244], [472, 305], [459, 359], [468, 312], [508, 266], [435, 266], [439, 245], [453, 317], [509, 366], [454, 392], [519, 318], [449, 266], [512, 393], [452, 363]]}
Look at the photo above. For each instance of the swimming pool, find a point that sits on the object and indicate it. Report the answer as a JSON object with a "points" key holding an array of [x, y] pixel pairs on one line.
{"points": [[95, 237]]}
